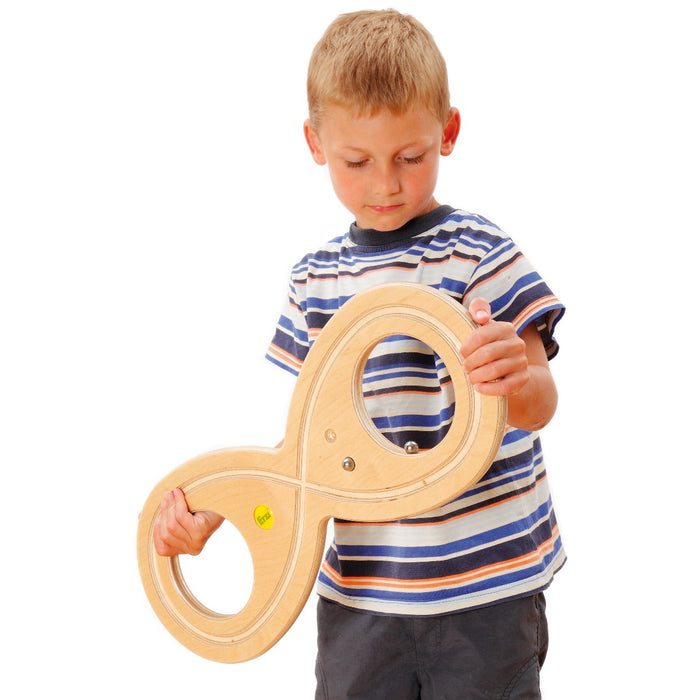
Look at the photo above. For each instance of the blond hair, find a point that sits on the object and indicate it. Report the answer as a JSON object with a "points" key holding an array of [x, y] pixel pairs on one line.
{"points": [[377, 59]]}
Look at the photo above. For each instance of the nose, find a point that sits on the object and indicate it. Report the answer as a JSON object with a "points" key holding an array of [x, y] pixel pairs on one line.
{"points": [[385, 180]]}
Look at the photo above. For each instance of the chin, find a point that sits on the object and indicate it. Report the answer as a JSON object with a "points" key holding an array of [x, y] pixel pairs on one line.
{"points": [[383, 223]]}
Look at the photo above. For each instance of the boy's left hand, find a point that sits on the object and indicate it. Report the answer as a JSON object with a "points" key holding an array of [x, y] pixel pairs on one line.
{"points": [[495, 357]]}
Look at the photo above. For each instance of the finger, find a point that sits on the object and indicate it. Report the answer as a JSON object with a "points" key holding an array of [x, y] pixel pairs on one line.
{"points": [[480, 310], [486, 348], [506, 386], [163, 542], [491, 342], [181, 510], [173, 520], [163, 546], [475, 340], [497, 370]]}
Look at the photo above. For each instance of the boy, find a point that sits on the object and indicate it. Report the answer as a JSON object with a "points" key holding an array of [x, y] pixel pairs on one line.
{"points": [[448, 604]]}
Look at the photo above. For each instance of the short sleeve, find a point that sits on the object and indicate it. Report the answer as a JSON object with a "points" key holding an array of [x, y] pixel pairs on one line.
{"points": [[516, 292], [290, 343]]}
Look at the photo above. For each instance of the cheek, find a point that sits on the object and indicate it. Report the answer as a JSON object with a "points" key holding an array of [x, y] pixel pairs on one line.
{"points": [[346, 187], [423, 183]]}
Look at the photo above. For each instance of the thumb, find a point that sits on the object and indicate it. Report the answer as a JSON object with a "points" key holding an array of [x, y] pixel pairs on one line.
{"points": [[208, 518], [480, 310]]}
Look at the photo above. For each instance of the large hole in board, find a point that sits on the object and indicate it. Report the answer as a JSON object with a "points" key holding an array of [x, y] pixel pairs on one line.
{"points": [[408, 392], [221, 576]]}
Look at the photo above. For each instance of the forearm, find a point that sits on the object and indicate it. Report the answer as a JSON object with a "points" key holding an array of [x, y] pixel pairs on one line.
{"points": [[533, 406]]}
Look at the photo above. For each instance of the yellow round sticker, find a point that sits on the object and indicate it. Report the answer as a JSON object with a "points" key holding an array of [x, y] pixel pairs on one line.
{"points": [[264, 517]]}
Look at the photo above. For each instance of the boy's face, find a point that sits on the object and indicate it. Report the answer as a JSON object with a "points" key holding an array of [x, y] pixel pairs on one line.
{"points": [[383, 167]]}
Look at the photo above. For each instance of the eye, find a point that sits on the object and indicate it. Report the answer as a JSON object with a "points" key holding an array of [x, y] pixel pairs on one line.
{"points": [[355, 163], [413, 160]]}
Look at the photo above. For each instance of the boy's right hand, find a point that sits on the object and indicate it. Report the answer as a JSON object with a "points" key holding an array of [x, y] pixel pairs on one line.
{"points": [[177, 531]]}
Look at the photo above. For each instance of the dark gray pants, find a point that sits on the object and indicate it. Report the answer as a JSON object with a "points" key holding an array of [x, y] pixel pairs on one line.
{"points": [[491, 652]]}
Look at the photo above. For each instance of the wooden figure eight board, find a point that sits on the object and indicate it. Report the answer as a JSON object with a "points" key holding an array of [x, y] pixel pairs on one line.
{"points": [[333, 463]]}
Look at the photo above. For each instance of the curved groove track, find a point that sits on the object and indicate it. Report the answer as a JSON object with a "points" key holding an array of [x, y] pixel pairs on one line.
{"points": [[281, 499]]}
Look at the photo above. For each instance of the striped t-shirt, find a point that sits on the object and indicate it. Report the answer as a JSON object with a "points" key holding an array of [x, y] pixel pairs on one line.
{"points": [[500, 539]]}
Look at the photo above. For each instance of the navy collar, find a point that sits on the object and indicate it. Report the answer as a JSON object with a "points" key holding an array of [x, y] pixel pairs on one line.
{"points": [[369, 237]]}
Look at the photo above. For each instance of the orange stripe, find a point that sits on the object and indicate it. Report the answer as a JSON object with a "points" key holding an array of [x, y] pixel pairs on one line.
{"points": [[400, 392], [498, 272], [529, 310], [435, 583], [285, 356], [369, 271]]}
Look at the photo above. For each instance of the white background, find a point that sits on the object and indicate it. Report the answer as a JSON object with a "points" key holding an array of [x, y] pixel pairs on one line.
{"points": [[149, 149]]}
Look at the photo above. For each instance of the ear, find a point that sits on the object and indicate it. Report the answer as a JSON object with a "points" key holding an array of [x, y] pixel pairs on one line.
{"points": [[314, 143], [450, 132]]}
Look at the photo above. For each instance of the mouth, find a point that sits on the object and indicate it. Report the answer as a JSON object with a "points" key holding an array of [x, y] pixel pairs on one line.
{"points": [[382, 209]]}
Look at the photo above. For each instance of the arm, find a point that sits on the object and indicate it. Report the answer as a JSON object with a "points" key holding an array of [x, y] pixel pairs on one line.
{"points": [[177, 531], [499, 362]]}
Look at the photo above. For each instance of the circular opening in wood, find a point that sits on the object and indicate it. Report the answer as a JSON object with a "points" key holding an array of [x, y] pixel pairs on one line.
{"points": [[221, 577], [407, 392]]}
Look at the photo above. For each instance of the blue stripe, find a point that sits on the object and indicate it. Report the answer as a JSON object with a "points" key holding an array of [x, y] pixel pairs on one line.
{"points": [[510, 530]]}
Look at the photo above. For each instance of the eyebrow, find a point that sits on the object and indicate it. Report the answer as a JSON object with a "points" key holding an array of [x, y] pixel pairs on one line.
{"points": [[356, 149]]}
